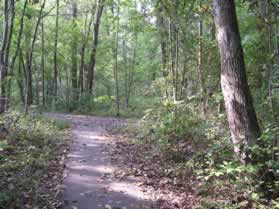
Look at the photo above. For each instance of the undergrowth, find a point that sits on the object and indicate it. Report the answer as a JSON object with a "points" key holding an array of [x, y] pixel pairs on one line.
{"points": [[201, 149], [102, 106], [32, 150]]}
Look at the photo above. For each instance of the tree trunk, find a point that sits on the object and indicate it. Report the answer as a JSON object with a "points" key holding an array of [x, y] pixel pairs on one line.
{"points": [[74, 54], [124, 51], [17, 48], [43, 63], [131, 71], [172, 57], [200, 64], [19, 77], [3, 65], [176, 61], [7, 54], [55, 81], [83, 49], [29, 54], [115, 57], [240, 111], [91, 69], [164, 49]]}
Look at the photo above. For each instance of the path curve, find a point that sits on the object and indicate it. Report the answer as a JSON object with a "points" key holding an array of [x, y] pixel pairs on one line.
{"points": [[90, 180]]}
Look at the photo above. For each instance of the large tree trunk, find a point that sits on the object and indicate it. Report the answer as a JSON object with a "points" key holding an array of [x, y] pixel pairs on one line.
{"points": [[238, 100], [91, 69]]}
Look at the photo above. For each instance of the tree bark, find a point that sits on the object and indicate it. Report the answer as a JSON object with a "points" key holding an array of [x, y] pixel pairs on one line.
{"points": [[240, 111]]}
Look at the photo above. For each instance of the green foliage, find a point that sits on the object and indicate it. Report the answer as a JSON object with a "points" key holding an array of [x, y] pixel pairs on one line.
{"points": [[61, 124], [32, 144], [202, 147]]}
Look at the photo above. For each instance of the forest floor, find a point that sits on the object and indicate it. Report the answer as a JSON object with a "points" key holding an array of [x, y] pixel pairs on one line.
{"points": [[102, 170]]}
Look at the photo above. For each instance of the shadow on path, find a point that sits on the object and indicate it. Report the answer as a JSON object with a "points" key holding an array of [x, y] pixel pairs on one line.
{"points": [[90, 182]]}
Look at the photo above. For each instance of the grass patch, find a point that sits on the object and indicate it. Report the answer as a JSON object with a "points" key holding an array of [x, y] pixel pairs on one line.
{"points": [[61, 124]]}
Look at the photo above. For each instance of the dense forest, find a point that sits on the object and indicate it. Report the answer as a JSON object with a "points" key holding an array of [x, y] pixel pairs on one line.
{"points": [[197, 80]]}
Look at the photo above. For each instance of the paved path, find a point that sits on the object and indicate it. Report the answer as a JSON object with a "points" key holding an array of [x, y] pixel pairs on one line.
{"points": [[90, 181]]}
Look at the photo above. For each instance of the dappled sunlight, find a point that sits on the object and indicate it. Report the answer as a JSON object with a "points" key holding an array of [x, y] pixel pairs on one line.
{"points": [[91, 135], [130, 189], [94, 136], [104, 169], [94, 169], [91, 180], [82, 180], [72, 155]]}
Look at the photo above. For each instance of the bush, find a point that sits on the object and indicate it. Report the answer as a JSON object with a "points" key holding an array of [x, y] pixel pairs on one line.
{"points": [[203, 148]]}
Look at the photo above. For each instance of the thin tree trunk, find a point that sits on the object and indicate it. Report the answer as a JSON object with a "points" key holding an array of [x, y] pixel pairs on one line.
{"points": [[28, 92], [124, 51], [81, 70], [17, 48], [115, 56], [276, 34], [43, 63], [172, 59], [74, 54], [55, 81], [19, 77], [83, 49], [37, 90], [240, 111], [7, 54], [184, 79], [91, 69], [68, 92], [200, 64], [272, 101], [131, 71], [164, 50], [176, 61], [3, 65]]}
